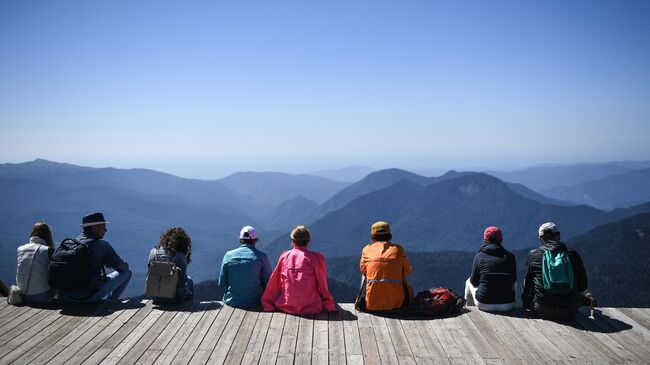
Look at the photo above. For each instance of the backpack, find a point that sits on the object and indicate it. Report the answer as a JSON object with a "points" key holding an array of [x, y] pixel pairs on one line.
{"points": [[162, 279], [69, 266], [436, 303], [557, 272]]}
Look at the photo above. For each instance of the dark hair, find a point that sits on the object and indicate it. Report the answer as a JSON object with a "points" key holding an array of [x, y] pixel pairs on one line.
{"points": [[42, 230], [492, 238], [176, 240], [385, 237], [250, 241]]}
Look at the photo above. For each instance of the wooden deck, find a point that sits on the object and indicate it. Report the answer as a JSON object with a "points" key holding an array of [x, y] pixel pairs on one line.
{"points": [[136, 332]]}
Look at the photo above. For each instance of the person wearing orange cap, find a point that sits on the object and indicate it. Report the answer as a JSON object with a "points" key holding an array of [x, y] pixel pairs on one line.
{"points": [[384, 266], [491, 286]]}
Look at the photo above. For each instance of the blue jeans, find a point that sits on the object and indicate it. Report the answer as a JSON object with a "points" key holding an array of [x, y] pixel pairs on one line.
{"points": [[39, 298], [116, 283]]}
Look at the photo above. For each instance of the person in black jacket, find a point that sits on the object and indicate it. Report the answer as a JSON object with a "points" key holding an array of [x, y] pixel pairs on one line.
{"points": [[542, 301], [491, 287]]}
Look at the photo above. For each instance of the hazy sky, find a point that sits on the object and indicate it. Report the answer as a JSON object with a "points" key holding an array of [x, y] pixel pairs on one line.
{"points": [[206, 88]]}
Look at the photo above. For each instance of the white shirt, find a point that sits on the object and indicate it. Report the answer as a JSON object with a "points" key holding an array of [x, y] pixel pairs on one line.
{"points": [[39, 272]]}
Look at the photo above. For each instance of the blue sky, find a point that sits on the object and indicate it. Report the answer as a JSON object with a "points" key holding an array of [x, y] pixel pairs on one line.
{"points": [[206, 88]]}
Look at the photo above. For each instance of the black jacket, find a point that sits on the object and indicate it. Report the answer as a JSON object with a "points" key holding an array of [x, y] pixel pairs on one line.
{"points": [[533, 288], [494, 273]]}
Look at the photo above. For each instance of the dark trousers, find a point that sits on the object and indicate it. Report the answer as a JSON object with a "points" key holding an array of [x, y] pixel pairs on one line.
{"points": [[555, 313]]}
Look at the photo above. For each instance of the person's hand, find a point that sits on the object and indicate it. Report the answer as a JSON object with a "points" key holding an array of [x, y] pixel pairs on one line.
{"points": [[592, 300]]}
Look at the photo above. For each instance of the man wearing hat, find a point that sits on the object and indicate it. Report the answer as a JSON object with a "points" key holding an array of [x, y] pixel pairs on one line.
{"points": [[384, 267], [245, 271], [491, 286], [556, 281], [102, 255]]}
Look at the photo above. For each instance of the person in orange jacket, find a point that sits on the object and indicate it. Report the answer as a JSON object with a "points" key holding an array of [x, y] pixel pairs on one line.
{"points": [[385, 267]]}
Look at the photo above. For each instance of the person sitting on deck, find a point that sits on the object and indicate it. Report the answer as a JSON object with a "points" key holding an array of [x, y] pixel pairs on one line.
{"points": [[33, 262], [101, 254], [556, 281], [384, 267], [491, 286], [245, 271], [175, 246], [298, 284]]}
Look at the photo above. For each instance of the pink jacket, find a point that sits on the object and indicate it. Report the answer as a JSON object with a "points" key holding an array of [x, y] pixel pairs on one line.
{"points": [[298, 284]]}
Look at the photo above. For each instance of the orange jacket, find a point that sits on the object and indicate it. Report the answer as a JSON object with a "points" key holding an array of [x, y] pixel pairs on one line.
{"points": [[385, 267]]}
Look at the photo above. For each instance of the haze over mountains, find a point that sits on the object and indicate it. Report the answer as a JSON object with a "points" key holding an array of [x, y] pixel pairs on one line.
{"points": [[428, 214]]}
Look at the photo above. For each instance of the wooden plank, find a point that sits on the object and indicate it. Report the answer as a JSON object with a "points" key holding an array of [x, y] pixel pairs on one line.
{"points": [[637, 315], [385, 345], [478, 343], [461, 338], [116, 354], [172, 350], [287, 349], [517, 346], [112, 336], [619, 342], [570, 349], [304, 340], [145, 340], [273, 338], [228, 316], [449, 345], [621, 322], [193, 342], [535, 341], [71, 335], [89, 337], [368, 341], [7, 310], [430, 340], [418, 346], [239, 331], [240, 343], [320, 342], [253, 352], [400, 341], [14, 326], [162, 341], [336, 346], [26, 330], [574, 348], [49, 336], [488, 335], [353, 350]]}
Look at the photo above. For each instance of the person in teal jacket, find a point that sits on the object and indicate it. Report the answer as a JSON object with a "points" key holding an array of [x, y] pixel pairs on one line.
{"points": [[245, 271]]}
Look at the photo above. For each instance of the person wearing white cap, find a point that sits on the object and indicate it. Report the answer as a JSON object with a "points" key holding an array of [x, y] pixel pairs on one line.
{"points": [[245, 271], [101, 255], [556, 281]]}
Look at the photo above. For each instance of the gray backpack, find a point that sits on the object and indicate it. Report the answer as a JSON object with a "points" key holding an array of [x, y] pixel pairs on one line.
{"points": [[162, 279]]}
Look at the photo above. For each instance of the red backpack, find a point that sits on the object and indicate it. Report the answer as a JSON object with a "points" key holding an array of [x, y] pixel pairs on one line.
{"points": [[437, 302]]}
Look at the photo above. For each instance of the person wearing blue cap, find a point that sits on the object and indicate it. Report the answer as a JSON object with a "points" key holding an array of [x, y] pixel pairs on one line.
{"points": [[245, 271], [101, 254]]}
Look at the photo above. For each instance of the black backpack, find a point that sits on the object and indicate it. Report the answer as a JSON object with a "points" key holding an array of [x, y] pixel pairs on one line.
{"points": [[69, 266]]}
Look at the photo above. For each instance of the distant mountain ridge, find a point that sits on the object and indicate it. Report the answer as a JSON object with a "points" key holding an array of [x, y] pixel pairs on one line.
{"points": [[543, 178], [622, 190], [275, 188], [347, 174]]}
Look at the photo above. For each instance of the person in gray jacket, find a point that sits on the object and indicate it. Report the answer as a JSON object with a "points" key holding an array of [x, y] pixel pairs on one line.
{"points": [[33, 261], [175, 246], [102, 255]]}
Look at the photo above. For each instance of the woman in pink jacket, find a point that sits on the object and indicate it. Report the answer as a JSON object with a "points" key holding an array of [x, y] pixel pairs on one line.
{"points": [[298, 284]]}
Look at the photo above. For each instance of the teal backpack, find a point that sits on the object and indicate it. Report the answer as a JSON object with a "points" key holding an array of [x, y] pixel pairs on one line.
{"points": [[557, 272]]}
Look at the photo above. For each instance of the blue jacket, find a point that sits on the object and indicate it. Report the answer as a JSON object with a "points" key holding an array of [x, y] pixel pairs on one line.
{"points": [[183, 290], [245, 271]]}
